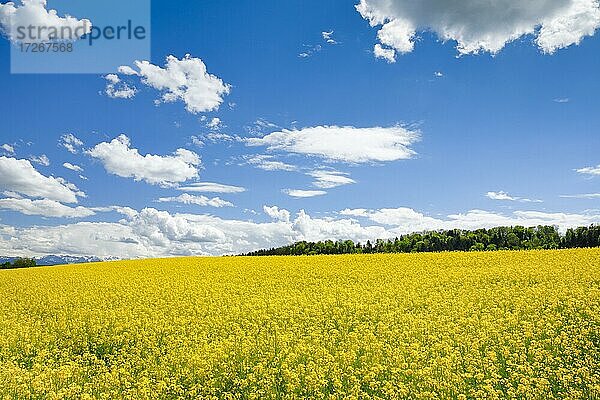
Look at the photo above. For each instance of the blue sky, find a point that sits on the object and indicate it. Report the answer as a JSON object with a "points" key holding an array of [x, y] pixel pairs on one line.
{"points": [[519, 123]]}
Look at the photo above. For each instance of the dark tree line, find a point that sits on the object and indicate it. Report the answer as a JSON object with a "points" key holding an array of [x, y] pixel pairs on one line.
{"points": [[502, 238], [19, 263]]}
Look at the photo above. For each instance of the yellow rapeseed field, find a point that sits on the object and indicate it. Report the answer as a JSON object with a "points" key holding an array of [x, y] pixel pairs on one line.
{"points": [[425, 326]]}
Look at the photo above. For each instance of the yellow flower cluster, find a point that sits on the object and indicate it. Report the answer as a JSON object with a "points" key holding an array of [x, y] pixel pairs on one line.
{"points": [[423, 326]]}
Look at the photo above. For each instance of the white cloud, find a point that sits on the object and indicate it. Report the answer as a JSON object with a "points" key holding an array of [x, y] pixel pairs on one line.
{"points": [[260, 126], [184, 80], [197, 141], [104, 240], [315, 229], [328, 37], [215, 124], [126, 70], [344, 144], [301, 194], [587, 196], [154, 233], [160, 228], [477, 27], [399, 35], [41, 160], [117, 89], [210, 187], [120, 159], [277, 214], [9, 149], [500, 196], [310, 50], [216, 137], [196, 200], [12, 195], [202, 234], [387, 54], [407, 220], [71, 186], [73, 167], [21, 177], [268, 163], [562, 100], [578, 19], [45, 208], [48, 23], [403, 219], [503, 196], [438, 74], [484, 219], [590, 170], [71, 142], [329, 179], [355, 212]]}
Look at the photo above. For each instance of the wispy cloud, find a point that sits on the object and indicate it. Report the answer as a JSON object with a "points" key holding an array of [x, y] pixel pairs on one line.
{"points": [[503, 196], [73, 167], [581, 196], [7, 148], [329, 179], [300, 194], [41, 160], [328, 37], [268, 163], [196, 200], [211, 187], [589, 170], [344, 143], [117, 89], [310, 50], [70, 142]]}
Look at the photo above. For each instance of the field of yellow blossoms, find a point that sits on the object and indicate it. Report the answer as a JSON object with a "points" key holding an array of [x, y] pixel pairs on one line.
{"points": [[425, 326]]}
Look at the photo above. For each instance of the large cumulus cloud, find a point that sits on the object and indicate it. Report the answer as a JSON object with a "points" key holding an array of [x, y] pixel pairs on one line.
{"points": [[478, 26]]}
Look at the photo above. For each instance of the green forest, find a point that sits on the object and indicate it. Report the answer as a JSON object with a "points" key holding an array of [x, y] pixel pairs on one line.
{"points": [[501, 238], [19, 263]]}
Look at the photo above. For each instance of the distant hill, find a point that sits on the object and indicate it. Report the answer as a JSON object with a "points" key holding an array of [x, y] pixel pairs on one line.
{"points": [[55, 260]]}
